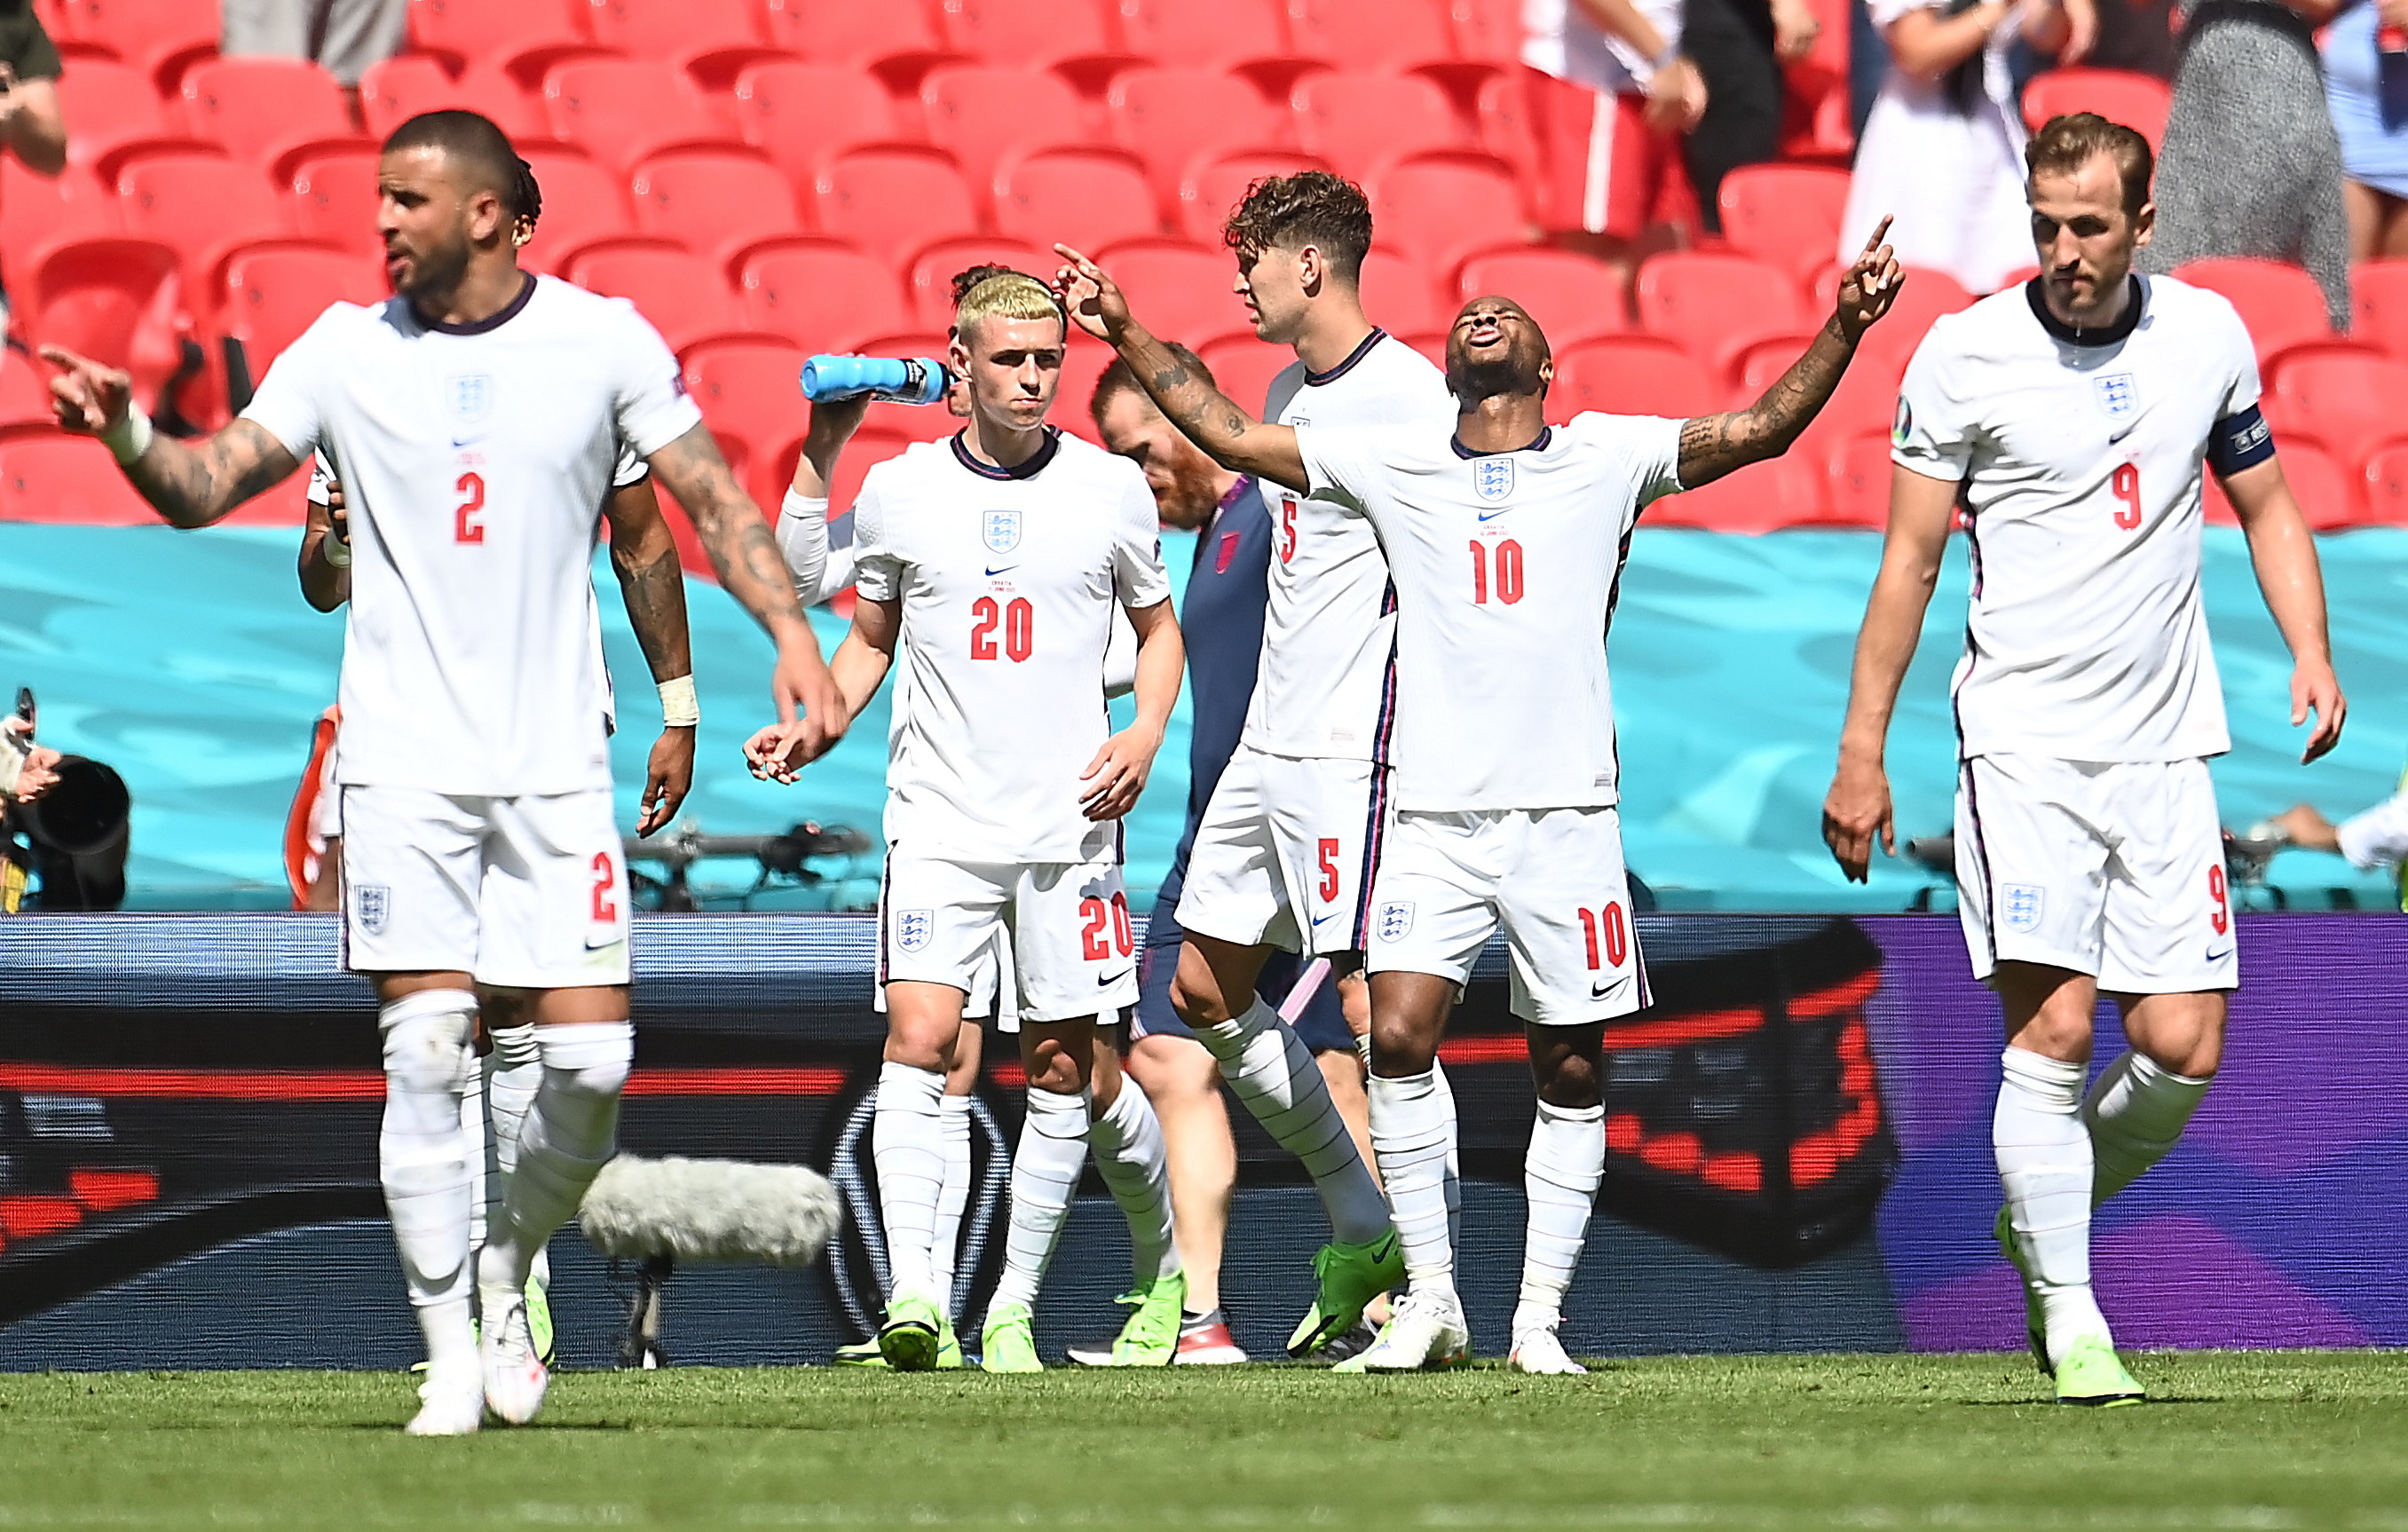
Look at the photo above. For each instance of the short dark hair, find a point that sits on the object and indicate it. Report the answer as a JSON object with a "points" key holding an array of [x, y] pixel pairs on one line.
{"points": [[2064, 144], [1310, 208], [472, 139], [1119, 380]]}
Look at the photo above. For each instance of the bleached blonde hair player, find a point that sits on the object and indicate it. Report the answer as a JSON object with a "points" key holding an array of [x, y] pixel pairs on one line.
{"points": [[991, 563], [475, 419]]}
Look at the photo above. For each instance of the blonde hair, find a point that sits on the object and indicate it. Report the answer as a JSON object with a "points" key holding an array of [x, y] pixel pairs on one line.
{"points": [[1001, 293]]}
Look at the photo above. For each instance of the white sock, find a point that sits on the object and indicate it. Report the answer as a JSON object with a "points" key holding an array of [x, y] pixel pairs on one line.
{"points": [[952, 1196], [1135, 1168], [1410, 1121], [2044, 1162], [1453, 1158], [1559, 1176], [570, 1131], [1044, 1179], [423, 1159], [2135, 1113], [513, 1072], [477, 1140], [907, 1144], [1274, 1074]]}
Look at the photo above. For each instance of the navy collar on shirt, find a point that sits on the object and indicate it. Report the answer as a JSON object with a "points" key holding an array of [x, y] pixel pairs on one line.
{"points": [[1536, 444], [2135, 297], [1028, 467], [495, 319], [1315, 380]]}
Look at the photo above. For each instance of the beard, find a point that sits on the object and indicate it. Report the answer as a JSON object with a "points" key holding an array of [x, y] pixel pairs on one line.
{"points": [[437, 270], [1471, 379], [1190, 500]]}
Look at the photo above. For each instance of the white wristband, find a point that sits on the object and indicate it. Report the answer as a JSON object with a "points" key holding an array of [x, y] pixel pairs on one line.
{"points": [[680, 707], [130, 438], [335, 551]]}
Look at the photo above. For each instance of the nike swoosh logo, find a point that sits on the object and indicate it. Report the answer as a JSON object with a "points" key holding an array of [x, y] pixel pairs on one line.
{"points": [[462, 441], [1323, 920], [1492, 515], [2217, 955], [1005, 570], [1108, 980], [1598, 992], [2121, 435]]}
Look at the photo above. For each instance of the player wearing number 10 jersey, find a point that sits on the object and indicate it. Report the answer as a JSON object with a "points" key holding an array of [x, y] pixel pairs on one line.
{"points": [[2072, 418], [1505, 538]]}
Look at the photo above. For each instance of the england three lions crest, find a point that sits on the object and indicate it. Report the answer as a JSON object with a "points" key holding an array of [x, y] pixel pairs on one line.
{"points": [[470, 399], [1000, 531], [1492, 478], [914, 928], [2118, 395]]}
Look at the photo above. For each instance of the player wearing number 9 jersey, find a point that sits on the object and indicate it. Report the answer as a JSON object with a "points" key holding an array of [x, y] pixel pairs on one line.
{"points": [[2072, 418], [1505, 540]]}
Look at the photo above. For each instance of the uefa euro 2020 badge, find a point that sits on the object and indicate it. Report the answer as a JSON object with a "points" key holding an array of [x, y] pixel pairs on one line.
{"points": [[1396, 920], [373, 903], [2019, 906], [1492, 478], [914, 927], [1000, 531]]}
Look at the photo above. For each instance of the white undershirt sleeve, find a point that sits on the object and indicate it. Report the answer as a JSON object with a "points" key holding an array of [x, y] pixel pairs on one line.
{"points": [[821, 564], [2379, 836]]}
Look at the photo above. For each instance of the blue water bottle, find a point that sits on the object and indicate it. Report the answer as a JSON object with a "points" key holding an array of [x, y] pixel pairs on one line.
{"points": [[896, 380]]}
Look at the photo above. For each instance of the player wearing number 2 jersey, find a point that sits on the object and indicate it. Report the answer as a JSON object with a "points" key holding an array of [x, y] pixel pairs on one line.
{"points": [[2072, 418], [475, 419], [1505, 538]]}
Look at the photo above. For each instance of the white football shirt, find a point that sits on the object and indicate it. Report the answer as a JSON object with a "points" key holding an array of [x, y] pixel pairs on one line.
{"points": [[2080, 456], [1506, 567], [1326, 624], [475, 460], [1010, 581]]}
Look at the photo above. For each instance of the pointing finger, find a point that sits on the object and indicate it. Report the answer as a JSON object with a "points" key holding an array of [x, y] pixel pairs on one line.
{"points": [[1874, 243]]}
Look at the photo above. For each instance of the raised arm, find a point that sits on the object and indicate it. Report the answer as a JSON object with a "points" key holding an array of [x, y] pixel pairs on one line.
{"points": [[1714, 445], [819, 571], [1858, 811], [653, 584], [737, 537], [2283, 553], [1208, 418], [188, 486]]}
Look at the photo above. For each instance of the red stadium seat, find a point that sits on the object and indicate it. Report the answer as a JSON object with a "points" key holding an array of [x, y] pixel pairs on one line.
{"points": [[2281, 304], [1501, 123], [1067, 34], [821, 295], [67, 480], [1487, 30], [892, 198], [160, 38], [1187, 34], [1400, 297], [2328, 494], [1168, 116], [581, 203], [1630, 374], [2381, 291], [1761, 363], [1356, 118], [893, 33], [393, 91], [1768, 496], [2349, 397], [108, 105], [469, 29], [684, 296], [716, 202], [1210, 190], [248, 106], [985, 115], [518, 111], [336, 200], [1927, 295], [1243, 368], [623, 110], [1715, 305], [24, 394], [748, 389], [929, 285], [1439, 207], [201, 205], [867, 449], [1573, 298], [1370, 33], [41, 210], [2386, 483], [1182, 290], [679, 30], [797, 112], [2120, 95], [1083, 197], [1859, 469], [1784, 215], [272, 294], [116, 300], [1084, 360]]}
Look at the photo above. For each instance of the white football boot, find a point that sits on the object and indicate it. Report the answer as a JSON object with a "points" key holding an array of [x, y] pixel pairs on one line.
{"points": [[1537, 1349], [1427, 1330], [515, 1376]]}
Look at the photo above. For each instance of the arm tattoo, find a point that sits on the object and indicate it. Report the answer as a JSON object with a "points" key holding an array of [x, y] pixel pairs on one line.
{"points": [[1206, 415], [193, 486], [730, 526], [655, 595], [1714, 445]]}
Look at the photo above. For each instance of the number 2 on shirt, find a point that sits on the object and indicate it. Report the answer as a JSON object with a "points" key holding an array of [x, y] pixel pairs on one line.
{"points": [[2126, 486], [468, 521]]}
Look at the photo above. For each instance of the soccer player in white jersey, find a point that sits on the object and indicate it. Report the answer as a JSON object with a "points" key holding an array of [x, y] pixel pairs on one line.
{"points": [[990, 564], [475, 418], [1506, 540], [2072, 418]]}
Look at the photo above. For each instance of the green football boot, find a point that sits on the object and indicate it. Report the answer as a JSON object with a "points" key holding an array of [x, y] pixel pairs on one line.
{"points": [[2035, 1320], [1009, 1343], [913, 1331], [1350, 1277], [867, 1354], [1150, 1336], [538, 1308], [2092, 1374]]}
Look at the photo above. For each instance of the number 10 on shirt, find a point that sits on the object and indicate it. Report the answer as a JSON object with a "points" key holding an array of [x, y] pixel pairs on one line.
{"points": [[1507, 583]]}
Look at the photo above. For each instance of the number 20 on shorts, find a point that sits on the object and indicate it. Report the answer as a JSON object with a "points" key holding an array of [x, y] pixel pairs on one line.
{"points": [[1096, 915]]}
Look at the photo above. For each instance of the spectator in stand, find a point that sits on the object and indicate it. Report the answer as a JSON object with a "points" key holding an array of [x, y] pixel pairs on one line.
{"points": [[1611, 93], [2250, 165], [2136, 34], [1944, 143], [1739, 46], [345, 35], [2366, 75], [31, 127]]}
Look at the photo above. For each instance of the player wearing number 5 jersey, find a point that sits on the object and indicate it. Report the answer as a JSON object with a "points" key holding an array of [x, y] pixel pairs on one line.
{"points": [[1505, 540], [475, 419], [987, 569], [2072, 419]]}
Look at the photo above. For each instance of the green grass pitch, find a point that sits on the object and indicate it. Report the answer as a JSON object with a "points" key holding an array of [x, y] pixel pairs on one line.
{"points": [[2234, 1440]]}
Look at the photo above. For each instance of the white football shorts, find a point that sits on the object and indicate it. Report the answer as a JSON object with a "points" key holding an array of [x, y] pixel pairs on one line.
{"points": [[1073, 951], [1280, 856], [1553, 877], [522, 893], [2110, 869]]}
